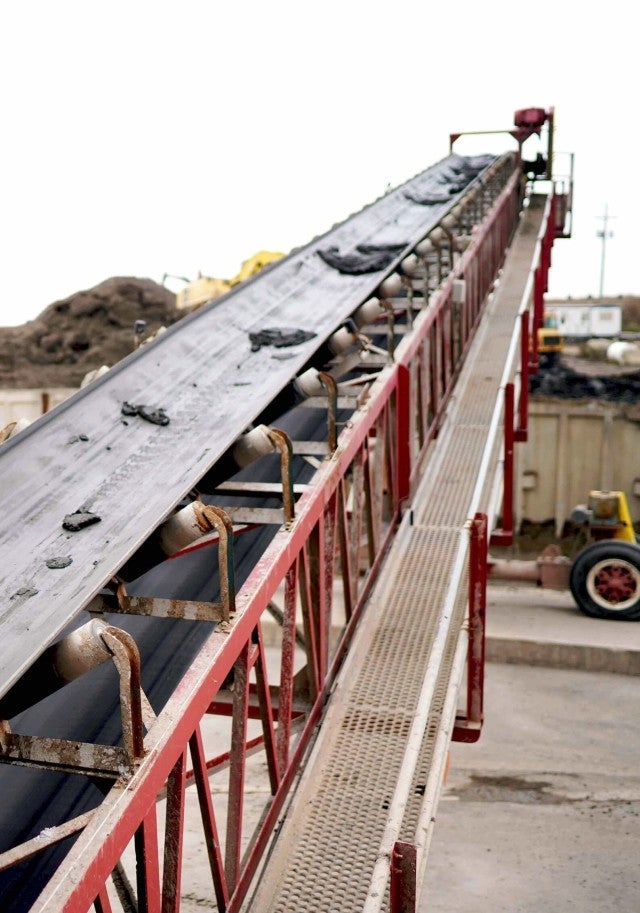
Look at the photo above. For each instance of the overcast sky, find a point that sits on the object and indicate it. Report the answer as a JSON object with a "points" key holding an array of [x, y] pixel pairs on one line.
{"points": [[143, 138]]}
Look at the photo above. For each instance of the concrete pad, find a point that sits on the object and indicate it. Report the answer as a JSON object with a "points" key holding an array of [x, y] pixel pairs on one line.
{"points": [[544, 812], [543, 627]]}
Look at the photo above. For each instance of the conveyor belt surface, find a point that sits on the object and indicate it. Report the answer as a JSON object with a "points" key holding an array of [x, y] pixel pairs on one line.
{"points": [[86, 454], [332, 852]]}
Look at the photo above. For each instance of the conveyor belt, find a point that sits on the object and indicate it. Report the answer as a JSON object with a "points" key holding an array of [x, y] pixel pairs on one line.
{"points": [[332, 852], [131, 473]]}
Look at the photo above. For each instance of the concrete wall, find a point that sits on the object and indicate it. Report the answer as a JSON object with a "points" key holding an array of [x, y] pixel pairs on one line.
{"points": [[575, 446], [29, 404]]}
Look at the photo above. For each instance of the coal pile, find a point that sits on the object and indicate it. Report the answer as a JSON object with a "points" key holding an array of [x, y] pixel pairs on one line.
{"points": [[80, 333], [563, 382]]}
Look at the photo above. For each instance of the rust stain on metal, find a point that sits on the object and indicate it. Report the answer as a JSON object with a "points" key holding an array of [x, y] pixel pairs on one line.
{"points": [[168, 608], [63, 755], [330, 385], [284, 445], [126, 657]]}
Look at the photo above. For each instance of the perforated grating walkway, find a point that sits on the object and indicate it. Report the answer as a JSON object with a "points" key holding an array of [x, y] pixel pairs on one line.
{"points": [[325, 854]]}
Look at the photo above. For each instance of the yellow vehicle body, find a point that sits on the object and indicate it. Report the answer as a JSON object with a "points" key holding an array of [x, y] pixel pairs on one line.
{"points": [[199, 291], [550, 339], [610, 516], [255, 264], [206, 288]]}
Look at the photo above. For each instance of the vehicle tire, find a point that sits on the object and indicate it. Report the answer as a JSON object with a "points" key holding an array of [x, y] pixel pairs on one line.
{"points": [[605, 580]]}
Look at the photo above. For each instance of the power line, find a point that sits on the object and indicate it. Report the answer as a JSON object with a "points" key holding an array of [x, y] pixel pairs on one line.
{"points": [[604, 234]]}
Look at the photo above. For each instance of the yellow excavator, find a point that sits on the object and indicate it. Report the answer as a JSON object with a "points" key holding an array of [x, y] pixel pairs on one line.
{"points": [[550, 340], [203, 289]]}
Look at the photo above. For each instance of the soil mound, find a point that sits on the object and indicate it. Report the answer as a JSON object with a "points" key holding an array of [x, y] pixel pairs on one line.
{"points": [[566, 383], [89, 329]]}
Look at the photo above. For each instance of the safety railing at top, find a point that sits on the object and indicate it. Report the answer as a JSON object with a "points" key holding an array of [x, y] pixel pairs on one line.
{"points": [[329, 551]]}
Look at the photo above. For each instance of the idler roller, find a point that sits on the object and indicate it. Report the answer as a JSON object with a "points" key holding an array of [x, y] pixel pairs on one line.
{"points": [[186, 526], [424, 248], [343, 339], [411, 265], [13, 428], [308, 384], [368, 312], [391, 287], [77, 653]]}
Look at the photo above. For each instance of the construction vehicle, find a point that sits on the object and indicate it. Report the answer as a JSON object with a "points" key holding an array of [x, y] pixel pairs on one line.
{"points": [[201, 290], [550, 340], [605, 576]]}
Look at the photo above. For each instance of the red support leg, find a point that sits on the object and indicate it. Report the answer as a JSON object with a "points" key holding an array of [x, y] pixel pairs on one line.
{"points": [[174, 835], [102, 904], [266, 713], [523, 405], [147, 867], [286, 668], [403, 401], [404, 876], [237, 767], [209, 820], [504, 536], [468, 728]]}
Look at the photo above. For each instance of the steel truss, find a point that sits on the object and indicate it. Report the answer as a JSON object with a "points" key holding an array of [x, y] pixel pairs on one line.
{"points": [[326, 554]]}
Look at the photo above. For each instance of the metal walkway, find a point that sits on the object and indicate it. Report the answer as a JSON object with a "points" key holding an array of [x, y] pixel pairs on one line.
{"points": [[378, 758]]}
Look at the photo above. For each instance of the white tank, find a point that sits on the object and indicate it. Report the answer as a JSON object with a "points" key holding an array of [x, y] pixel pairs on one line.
{"points": [[619, 351]]}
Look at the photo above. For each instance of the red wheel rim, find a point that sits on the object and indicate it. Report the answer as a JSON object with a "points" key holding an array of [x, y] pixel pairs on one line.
{"points": [[614, 584]]}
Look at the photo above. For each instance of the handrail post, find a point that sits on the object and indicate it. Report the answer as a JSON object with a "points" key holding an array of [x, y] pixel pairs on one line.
{"points": [[504, 535], [521, 433], [469, 727]]}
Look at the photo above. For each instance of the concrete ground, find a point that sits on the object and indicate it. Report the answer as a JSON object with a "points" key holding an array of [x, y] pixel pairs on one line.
{"points": [[543, 813]]}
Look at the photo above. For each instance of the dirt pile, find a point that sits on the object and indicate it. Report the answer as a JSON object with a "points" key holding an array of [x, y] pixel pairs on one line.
{"points": [[89, 329], [564, 382]]}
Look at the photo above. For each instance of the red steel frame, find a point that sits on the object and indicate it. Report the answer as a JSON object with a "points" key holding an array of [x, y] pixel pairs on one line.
{"points": [[469, 725], [343, 524], [531, 319]]}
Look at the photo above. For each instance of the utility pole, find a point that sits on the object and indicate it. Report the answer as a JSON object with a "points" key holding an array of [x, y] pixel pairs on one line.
{"points": [[604, 234]]}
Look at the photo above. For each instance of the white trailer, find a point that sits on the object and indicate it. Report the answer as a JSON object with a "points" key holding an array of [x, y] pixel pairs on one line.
{"points": [[583, 321]]}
